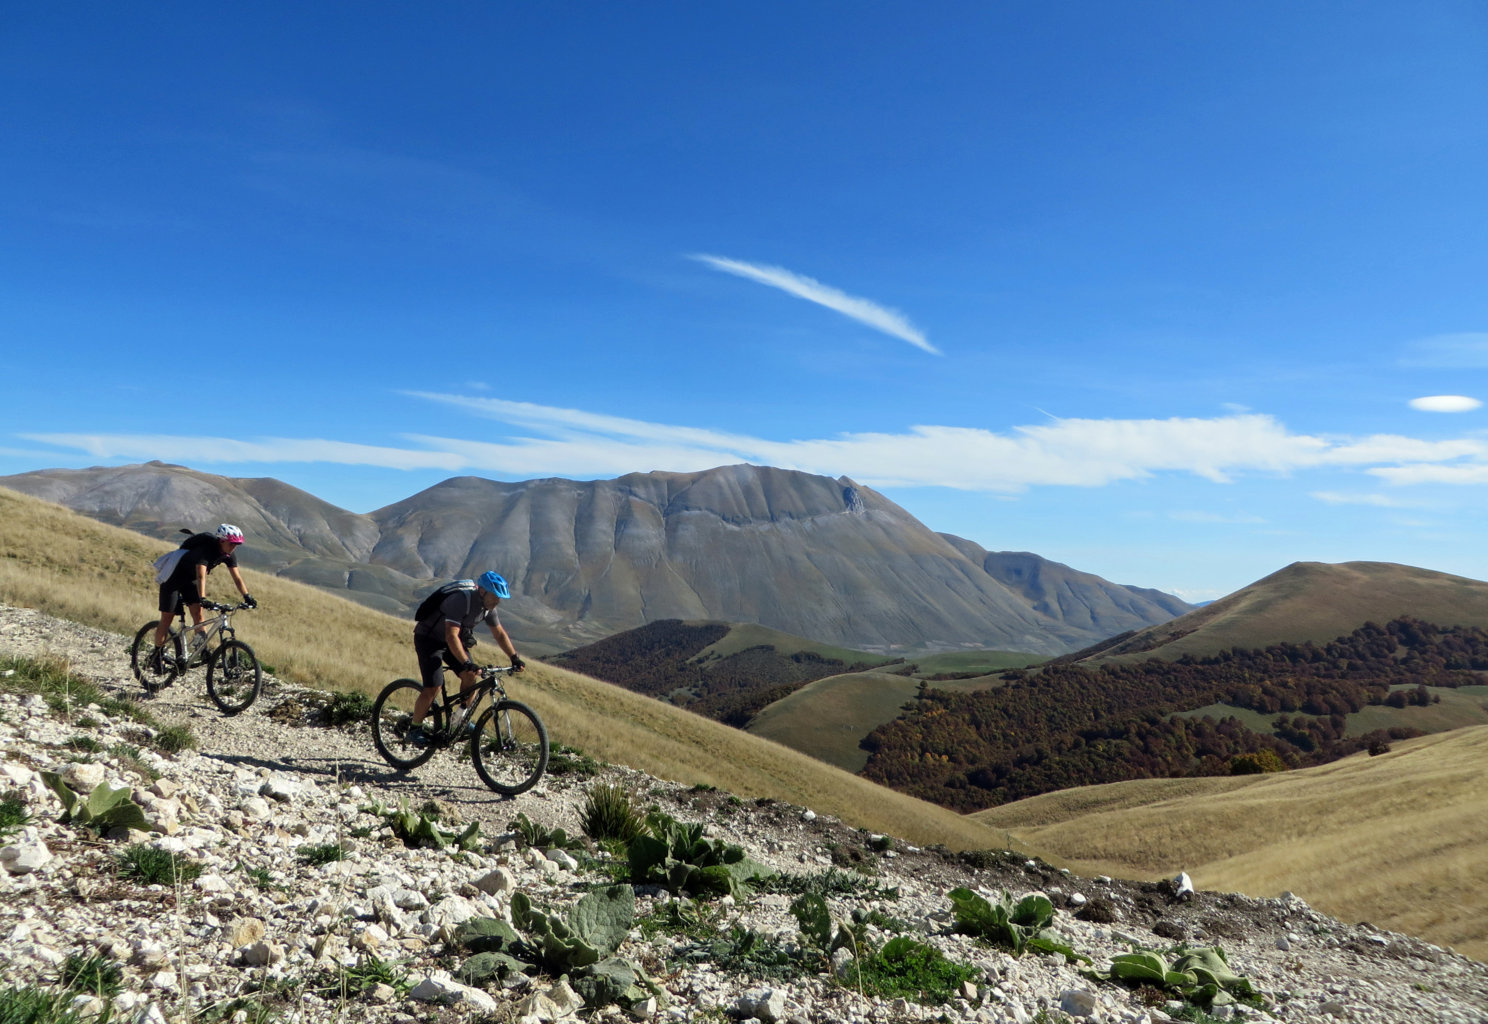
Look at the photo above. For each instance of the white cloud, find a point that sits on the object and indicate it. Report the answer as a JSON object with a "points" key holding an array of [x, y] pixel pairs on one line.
{"points": [[1449, 351], [1375, 500], [880, 318], [546, 441], [1445, 403], [174, 448]]}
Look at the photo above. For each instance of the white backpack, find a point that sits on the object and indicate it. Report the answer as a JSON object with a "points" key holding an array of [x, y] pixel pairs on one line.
{"points": [[166, 564]]}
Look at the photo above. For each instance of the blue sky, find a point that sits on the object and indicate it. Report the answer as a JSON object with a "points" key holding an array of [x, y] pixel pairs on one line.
{"points": [[1175, 293]]}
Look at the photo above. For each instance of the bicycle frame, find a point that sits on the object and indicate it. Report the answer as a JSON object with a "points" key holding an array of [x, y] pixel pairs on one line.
{"points": [[488, 686], [196, 639]]}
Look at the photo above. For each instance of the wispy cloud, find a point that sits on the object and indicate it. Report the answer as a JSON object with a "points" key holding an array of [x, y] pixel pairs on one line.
{"points": [[546, 440], [176, 448], [1445, 403], [1466, 351], [1373, 500], [865, 311]]}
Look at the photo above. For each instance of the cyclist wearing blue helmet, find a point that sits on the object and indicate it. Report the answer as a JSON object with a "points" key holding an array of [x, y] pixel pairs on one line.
{"points": [[446, 631]]}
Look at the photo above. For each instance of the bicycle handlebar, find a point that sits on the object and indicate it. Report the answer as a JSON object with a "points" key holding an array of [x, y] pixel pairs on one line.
{"points": [[213, 606]]}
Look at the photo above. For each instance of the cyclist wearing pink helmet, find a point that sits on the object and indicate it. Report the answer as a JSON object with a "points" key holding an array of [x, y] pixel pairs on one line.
{"points": [[187, 583]]}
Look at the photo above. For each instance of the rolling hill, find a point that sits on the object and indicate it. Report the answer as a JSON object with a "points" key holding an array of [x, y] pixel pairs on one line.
{"points": [[1306, 601], [1396, 838], [808, 555]]}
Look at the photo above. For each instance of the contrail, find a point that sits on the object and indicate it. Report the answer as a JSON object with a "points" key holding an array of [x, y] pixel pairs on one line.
{"points": [[880, 318]]}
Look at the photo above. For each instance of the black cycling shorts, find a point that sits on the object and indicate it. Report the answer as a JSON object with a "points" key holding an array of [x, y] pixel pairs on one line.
{"points": [[433, 658], [173, 595]]}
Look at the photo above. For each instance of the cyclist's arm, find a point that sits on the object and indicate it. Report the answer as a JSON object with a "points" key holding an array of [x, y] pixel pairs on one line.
{"points": [[201, 581], [454, 643], [237, 578], [498, 633]]}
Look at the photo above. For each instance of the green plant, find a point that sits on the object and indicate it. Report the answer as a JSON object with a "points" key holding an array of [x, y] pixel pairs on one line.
{"points": [[150, 865], [14, 815], [579, 945], [31, 1005], [102, 809], [540, 837], [173, 739], [572, 761], [345, 707], [1019, 926], [830, 882], [97, 975], [419, 828], [677, 856], [85, 743], [1199, 975], [362, 977], [259, 877], [322, 854], [62, 691], [609, 813], [88, 722], [252, 1011]]}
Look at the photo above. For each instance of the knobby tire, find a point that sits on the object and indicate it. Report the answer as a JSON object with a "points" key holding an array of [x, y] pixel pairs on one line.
{"points": [[154, 676], [392, 717], [510, 748], [234, 677]]}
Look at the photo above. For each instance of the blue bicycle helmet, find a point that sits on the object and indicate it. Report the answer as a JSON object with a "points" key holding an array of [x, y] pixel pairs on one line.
{"points": [[494, 583]]}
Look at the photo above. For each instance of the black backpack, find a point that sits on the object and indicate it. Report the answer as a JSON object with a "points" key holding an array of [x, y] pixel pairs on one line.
{"points": [[429, 605]]}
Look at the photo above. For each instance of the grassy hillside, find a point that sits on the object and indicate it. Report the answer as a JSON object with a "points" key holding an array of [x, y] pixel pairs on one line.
{"points": [[73, 567], [1310, 601], [1396, 840]]}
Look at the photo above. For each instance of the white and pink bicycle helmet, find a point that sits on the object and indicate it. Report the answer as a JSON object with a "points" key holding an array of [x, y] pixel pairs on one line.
{"points": [[227, 531]]}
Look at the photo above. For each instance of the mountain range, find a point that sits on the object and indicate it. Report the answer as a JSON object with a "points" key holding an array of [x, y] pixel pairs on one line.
{"points": [[809, 555]]}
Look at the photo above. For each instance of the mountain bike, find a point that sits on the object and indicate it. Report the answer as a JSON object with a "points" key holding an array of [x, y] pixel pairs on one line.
{"points": [[234, 678], [508, 743]]}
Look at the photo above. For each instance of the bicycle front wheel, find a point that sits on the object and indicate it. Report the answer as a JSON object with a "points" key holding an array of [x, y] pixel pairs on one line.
{"points": [[510, 748], [155, 668], [234, 679], [402, 744]]}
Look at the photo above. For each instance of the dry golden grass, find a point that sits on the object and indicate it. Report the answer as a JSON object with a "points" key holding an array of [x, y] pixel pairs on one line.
{"points": [[67, 565], [1396, 840]]}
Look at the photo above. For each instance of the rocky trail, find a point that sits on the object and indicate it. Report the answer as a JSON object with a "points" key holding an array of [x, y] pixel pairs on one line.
{"points": [[270, 929]]}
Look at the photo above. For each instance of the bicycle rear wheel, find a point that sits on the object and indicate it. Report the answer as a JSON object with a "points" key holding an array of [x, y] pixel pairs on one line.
{"points": [[510, 748], [234, 679], [155, 669], [393, 733]]}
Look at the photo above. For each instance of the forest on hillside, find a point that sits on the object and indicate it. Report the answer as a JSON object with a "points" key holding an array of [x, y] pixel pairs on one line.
{"points": [[1067, 725], [661, 660]]}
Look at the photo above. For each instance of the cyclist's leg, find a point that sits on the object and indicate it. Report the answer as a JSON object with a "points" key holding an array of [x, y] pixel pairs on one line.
{"points": [[169, 604], [431, 662]]}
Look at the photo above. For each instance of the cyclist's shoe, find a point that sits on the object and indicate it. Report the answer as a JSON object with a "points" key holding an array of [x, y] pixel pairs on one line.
{"points": [[417, 736]]}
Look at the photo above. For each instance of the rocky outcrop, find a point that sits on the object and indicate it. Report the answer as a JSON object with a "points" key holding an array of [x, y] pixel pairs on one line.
{"points": [[272, 921]]}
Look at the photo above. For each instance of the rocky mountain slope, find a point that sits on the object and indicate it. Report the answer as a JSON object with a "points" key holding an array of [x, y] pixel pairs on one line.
{"points": [[821, 558], [271, 925]]}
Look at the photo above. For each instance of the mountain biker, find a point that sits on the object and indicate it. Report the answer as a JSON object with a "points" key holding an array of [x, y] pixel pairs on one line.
{"points": [[444, 637], [188, 582]]}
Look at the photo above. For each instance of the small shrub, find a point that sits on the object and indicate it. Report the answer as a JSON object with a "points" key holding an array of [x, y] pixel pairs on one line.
{"points": [[150, 865], [323, 854], [84, 743], [572, 761], [363, 977], [539, 837], [1259, 763], [31, 1005], [831, 882], [345, 707], [97, 975], [14, 815], [103, 808], [1018, 926], [173, 739], [609, 814]]}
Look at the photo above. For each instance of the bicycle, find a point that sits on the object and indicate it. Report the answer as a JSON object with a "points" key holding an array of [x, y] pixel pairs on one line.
{"points": [[509, 743], [234, 678]]}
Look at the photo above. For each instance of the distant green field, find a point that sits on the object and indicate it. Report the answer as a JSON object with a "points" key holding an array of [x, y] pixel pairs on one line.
{"points": [[828, 718], [742, 636], [974, 661], [1463, 706]]}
